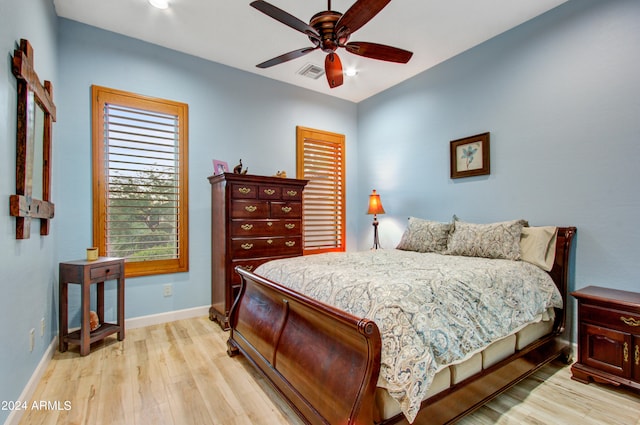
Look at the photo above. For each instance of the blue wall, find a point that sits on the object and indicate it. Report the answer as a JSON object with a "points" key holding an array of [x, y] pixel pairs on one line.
{"points": [[561, 98], [27, 281], [232, 115]]}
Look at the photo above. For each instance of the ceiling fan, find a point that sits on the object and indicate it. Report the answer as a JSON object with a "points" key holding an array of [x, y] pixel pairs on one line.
{"points": [[329, 30]]}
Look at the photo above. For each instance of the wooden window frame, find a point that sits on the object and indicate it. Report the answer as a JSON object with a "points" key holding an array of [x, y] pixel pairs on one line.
{"points": [[315, 196], [100, 97]]}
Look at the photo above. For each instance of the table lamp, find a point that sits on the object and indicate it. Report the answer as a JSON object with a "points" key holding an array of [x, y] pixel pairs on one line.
{"points": [[375, 208]]}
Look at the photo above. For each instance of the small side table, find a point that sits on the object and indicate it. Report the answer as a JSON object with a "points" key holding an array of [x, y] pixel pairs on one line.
{"points": [[86, 273]]}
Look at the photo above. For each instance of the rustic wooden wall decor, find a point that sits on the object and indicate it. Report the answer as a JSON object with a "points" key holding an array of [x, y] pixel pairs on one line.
{"points": [[36, 113]]}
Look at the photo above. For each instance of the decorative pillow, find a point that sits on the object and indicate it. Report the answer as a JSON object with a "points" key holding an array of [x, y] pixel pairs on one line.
{"points": [[538, 246], [425, 236], [495, 240]]}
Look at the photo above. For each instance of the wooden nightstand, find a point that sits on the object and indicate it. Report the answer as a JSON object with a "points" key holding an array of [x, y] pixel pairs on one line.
{"points": [[608, 337], [86, 273]]}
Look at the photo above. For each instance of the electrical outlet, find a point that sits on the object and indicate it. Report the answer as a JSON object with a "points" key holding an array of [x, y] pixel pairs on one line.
{"points": [[42, 327], [32, 339], [167, 290]]}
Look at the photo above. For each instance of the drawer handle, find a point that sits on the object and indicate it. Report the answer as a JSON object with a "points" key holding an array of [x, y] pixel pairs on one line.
{"points": [[251, 208], [625, 352], [630, 321], [637, 355], [247, 246], [290, 226], [270, 241], [244, 190], [107, 271], [269, 191], [290, 243], [292, 192], [286, 209], [269, 223], [247, 226]]}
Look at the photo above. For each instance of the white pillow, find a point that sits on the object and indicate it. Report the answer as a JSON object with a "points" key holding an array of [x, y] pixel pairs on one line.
{"points": [[538, 246]]}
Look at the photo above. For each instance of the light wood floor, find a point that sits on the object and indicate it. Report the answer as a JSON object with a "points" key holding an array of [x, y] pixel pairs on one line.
{"points": [[179, 373]]}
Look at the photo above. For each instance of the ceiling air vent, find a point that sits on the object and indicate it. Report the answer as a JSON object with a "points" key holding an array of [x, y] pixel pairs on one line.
{"points": [[311, 71]]}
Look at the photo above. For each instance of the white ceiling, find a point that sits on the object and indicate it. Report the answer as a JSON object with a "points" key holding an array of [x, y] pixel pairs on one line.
{"points": [[235, 34]]}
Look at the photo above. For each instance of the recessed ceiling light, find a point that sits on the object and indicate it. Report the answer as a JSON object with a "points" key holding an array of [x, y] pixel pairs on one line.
{"points": [[160, 4]]}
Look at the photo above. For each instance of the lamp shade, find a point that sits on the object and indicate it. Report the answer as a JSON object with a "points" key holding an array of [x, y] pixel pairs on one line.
{"points": [[375, 205]]}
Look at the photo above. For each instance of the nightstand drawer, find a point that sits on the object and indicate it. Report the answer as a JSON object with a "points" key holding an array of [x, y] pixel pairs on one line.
{"points": [[105, 272], [616, 319]]}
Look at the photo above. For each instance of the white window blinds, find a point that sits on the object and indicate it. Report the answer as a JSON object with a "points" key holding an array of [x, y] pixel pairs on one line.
{"points": [[142, 172], [321, 161]]}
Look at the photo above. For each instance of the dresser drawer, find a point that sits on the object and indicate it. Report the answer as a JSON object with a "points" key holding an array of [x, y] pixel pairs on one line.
{"points": [[617, 319], [249, 209], [292, 193], [246, 228], [286, 209], [263, 247], [270, 192], [244, 191], [250, 265], [250, 247]]}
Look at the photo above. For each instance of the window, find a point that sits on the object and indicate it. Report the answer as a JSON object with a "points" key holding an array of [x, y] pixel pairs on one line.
{"points": [[320, 159], [140, 181]]}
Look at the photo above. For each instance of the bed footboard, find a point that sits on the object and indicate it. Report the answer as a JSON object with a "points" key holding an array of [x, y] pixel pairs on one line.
{"points": [[324, 361]]}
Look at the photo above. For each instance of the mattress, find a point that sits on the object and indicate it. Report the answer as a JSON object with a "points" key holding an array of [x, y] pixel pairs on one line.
{"points": [[447, 376]]}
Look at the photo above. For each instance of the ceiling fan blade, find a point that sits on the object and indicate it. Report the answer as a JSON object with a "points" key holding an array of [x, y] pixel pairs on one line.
{"points": [[361, 12], [379, 51], [333, 69], [285, 18], [286, 57]]}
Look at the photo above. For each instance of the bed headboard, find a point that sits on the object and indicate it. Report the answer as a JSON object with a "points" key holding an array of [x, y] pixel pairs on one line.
{"points": [[560, 271]]}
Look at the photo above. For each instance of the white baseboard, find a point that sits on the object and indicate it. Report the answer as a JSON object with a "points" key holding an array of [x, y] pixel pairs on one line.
{"points": [[133, 323], [171, 316], [30, 388]]}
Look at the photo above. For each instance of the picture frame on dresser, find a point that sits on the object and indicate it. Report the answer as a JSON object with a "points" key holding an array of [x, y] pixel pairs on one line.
{"points": [[220, 167]]}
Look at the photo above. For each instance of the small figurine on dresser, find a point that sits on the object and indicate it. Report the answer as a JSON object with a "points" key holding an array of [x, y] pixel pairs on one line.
{"points": [[238, 169]]}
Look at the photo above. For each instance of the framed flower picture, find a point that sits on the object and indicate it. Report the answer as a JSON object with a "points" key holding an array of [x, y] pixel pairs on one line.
{"points": [[470, 156]]}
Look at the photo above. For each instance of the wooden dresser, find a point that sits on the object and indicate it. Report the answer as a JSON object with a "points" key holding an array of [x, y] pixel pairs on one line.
{"points": [[608, 337], [254, 219]]}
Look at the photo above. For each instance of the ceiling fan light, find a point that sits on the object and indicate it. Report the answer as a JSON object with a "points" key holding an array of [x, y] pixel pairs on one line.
{"points": [[351, 72], [160, 4]]}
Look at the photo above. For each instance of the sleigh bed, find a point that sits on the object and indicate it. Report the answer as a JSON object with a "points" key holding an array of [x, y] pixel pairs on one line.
{"points": [[326, 362]]}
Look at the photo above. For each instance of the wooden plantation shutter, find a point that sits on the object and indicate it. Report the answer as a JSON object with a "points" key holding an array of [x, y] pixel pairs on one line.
{"points": [[321, 160], [140, 181]]}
